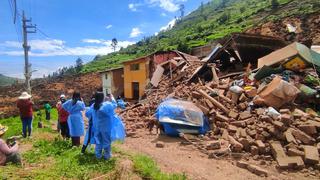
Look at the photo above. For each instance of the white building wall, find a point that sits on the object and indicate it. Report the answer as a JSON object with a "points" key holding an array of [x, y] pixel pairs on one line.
{"points": [[107, 82]]}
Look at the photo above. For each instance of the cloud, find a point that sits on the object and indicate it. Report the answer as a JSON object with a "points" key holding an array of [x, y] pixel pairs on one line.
{"points": [[168, 5], [169, 25], [133, 7], [163, 14], [109, 26], [56, 47], [135, 32]]}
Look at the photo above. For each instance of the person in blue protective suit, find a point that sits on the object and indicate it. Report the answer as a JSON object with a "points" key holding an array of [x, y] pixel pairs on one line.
{"points": [[121, 103], [74, 107], [107, 126]]}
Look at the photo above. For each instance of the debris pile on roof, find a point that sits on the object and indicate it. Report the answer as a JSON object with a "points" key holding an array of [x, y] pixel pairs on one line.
{"points": [[270, 114]]}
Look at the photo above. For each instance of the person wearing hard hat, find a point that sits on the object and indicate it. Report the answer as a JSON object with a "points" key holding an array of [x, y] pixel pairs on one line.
{"points": [[25, 104], [8, 152]]}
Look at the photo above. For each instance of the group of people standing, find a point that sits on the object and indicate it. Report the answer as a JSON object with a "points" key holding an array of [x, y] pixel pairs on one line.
{"points": [[105, 126]]}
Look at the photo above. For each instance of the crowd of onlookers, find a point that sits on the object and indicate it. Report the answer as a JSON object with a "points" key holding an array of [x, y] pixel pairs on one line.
{"points": [[104, 125]]}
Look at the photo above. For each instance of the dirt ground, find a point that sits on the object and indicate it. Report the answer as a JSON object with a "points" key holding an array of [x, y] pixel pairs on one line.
{"points": [[177, 158]]}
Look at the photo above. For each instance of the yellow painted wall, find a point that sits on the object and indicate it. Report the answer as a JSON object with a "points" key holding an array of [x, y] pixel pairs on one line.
{"points": [[140, 76], [295, 64]]}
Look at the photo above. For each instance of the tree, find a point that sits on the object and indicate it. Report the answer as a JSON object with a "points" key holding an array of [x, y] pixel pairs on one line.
{"points": [[114, 44], [201, 8], [181, 10], [79, 65], [274, 4], [224, 17]]}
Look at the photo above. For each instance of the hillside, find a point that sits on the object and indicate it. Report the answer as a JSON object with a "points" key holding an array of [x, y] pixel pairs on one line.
{"points": [[208, 23], [6, 81]]}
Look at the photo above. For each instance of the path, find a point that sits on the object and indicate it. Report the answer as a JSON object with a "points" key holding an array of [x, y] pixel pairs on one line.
{"points": [[186, 159]]}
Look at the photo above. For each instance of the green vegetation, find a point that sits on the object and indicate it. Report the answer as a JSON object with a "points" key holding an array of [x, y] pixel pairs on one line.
{"points": [[146, 166], [208, 23], [47, 156], [6, 81]]}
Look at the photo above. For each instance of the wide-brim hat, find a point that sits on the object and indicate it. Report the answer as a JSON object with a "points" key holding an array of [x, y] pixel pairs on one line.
{"points": [[3, 129], [25, 95]]}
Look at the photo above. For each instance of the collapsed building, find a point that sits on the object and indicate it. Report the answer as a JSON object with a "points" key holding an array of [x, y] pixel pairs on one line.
{"points": [[260, 117]]}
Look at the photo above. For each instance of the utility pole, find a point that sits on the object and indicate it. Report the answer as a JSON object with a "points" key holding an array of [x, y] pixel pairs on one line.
{"points": [[26, 47]]}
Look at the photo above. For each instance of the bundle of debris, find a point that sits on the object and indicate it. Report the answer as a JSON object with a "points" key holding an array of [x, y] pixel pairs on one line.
{"points": [[271, 112]]}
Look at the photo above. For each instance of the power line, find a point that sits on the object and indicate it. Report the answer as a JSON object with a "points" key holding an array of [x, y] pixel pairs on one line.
{"points": [[14, 17], [63, 48]]}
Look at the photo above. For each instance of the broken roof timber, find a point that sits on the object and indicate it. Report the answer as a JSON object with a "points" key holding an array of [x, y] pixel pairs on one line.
{"points": [[244, 47]]}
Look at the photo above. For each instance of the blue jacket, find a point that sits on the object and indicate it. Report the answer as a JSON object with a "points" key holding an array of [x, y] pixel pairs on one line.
{"points": [[75, 119]]}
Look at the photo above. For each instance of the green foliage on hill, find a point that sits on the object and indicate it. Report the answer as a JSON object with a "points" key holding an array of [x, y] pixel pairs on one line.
{"points": [[208, 23], [6, 81]]}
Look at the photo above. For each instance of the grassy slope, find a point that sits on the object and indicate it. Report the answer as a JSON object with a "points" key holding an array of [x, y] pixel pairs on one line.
{"points": [[47, 156], [6, 81], [204, 26]]}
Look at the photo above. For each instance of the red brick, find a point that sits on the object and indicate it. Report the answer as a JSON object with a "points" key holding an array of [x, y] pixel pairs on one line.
{"points": [[223, 118], [283, 160], [266, 118], [278, 125], [232, 128], [309, 129], [254, 150], [242, 164], [245, 115], [213, 145], [236, 146], [261, 146], [289, 136], [295, 152], [257, 170], [285, 111], [233, 114], [260, 111], [303, 137], [242, 106], [311, 155], [243, 98], [239, 123], [245, 143]]}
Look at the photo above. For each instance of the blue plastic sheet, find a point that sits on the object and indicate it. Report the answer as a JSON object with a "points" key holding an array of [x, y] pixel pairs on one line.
{"points": [[177, 116]]}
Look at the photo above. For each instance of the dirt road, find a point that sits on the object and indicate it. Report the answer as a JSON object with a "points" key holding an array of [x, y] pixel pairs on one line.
{"points": [[178, 158]]}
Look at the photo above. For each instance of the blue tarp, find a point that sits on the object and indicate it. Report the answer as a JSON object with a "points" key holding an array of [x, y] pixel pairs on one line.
{"points": [[177, 116]]}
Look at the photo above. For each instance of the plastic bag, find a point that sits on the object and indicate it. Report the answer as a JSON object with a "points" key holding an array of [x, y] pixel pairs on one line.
{"points": [[273, 113], [236, 89]]}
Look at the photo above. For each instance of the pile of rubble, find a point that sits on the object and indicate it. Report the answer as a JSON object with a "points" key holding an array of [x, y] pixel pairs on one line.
{"points": [[273, 118], [44, 90]]}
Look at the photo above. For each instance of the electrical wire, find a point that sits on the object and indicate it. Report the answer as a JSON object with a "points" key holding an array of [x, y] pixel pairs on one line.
{"points": [[15, 25], [63, 48]]}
